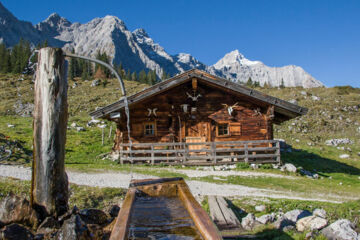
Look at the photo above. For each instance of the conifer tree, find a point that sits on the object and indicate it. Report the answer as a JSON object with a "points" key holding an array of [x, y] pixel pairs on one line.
{"points": [[134, 76], [142, 77], [164, 75], [282, 85], [128, 75], [249, 82]]}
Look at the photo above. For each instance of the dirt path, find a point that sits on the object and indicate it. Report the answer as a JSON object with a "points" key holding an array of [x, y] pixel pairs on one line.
{"points": [[204, 173], [121, 180]]}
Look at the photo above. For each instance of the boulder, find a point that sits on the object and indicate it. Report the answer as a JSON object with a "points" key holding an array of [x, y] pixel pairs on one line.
{"points": [[74, 229], [80, 129], [342, 229], [15, 232], [95, 83], [93, 216], [14, 209], [282, 223], [293, 101], [50, 224], [260, 208], [114, 211], [337, 141], [315, 98], [319, 212], [311, 223], [267, 218], [73, 125], [248, 222], [68, 214], [344, 156], [295, 215], [92, 122], [290, 167]]}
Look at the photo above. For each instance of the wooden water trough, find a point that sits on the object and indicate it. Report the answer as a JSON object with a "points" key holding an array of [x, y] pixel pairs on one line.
{"points": [[162, 208]]}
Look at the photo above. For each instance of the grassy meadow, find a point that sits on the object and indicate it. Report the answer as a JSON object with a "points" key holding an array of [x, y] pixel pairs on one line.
{"points": [[333, 113]]}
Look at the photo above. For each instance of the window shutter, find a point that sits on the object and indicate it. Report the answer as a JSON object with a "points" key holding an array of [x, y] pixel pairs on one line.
{"points": [[235, 129]]}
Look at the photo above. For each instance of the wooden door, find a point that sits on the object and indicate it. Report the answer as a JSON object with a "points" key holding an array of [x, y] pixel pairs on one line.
{"points": [[197, 132]]}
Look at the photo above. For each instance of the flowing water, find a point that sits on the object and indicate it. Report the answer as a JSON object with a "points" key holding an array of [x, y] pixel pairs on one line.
{"points": [[161, 218]]}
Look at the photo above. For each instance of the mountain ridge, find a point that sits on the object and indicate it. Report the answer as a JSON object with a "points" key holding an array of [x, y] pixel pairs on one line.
{"points": [[136, 50]]}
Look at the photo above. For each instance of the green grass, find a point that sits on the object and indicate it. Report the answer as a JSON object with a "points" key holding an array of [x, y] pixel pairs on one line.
{"points": [[84, 150], [80, 196]]}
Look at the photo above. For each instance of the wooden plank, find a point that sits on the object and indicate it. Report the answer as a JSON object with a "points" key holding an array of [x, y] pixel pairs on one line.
{"points": [[215, 212], [230, 217], [122, 223]]}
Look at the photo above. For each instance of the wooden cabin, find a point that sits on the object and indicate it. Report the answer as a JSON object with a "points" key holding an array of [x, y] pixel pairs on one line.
{"points": [[194, 111]]}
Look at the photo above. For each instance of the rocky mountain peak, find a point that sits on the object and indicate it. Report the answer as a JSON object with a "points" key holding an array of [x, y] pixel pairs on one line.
{"points": [[138, 51], [55, 20], [234, 58], [140, 33]]}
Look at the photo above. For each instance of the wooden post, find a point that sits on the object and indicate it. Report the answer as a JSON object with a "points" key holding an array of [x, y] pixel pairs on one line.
{"points": [[152, 155], [246, 153], [121, 155], [49, 183], [110, 132], [185, 153], [213, 152], [278, 159], [102, 136]]}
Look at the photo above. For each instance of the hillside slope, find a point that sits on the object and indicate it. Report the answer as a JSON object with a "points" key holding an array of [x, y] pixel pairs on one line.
{"points": [[333, 112]]}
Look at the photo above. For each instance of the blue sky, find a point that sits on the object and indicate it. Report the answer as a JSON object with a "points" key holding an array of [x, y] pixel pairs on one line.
{"points": [[321, 36]]}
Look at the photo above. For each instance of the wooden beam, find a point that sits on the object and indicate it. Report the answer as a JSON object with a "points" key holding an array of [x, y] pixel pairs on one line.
{"points": [[49, 180]]}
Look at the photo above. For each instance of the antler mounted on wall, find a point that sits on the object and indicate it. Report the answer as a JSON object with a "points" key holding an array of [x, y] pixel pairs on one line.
{"points": [[152, 111], [230, 109], [257, 112], [194, 98]]}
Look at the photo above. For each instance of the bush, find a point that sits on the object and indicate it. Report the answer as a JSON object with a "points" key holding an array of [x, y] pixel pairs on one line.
{"points": [[242, 165], [266, 166]]}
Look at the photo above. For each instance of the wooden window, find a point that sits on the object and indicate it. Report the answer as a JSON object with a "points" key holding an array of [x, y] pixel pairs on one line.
{"points": [[149, 129], [223, 129]]}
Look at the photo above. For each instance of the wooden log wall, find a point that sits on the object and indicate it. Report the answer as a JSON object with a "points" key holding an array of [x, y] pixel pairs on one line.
{"points": [[49, 180], [249, 121]]}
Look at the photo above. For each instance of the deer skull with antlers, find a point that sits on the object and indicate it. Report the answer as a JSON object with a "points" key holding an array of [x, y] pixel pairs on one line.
{"points": [[230, 109], [194, 98]]}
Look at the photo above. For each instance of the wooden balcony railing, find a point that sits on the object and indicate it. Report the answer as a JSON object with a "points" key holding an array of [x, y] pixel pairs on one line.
{"points": [[201, 153]]}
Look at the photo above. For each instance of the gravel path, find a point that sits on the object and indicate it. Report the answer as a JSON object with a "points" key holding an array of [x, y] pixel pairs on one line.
{"points": [[202, 173], [121, 180]]}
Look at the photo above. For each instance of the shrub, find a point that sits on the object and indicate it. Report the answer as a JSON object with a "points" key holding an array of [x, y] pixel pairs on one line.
{"points": [[242, 165]]}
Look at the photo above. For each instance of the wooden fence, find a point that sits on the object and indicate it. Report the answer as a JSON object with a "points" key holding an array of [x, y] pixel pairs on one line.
{"points": [[202, 153]]}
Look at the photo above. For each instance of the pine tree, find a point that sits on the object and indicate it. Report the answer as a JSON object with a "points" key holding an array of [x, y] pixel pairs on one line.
{"points": [[103, 57], [154, 78], [72, 68], [4, 59], [249, 82], [134, 76], [164, 75], [128, 75], [45, 43], [142, 77], [282, 85]]}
